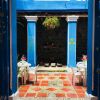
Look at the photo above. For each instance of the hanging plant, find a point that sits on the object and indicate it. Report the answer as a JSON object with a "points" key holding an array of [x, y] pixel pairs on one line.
{"points": [[51, 22]]}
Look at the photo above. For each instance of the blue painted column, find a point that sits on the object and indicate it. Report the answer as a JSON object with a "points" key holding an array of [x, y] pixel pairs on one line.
{"points": [[13, 46], [90, 48], [93, 64], [31, 39], [71, 41]]}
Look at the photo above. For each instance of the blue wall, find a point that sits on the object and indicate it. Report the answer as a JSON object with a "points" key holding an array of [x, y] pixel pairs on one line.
{"points": [[93, 78], [4, 50], [96, 90], [38, 5], [13, 46]]}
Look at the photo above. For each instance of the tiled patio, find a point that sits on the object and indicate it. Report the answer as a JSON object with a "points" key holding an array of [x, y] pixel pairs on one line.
{"points": [[50, 86]]}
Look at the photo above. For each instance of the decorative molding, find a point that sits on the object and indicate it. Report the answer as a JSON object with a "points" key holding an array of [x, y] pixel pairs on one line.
{"points": [[31, 18], [72, 18]]}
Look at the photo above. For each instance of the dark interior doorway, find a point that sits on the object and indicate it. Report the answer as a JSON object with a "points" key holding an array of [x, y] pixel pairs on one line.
{"points": [[81, 44], [51, 44], [21, 37]]}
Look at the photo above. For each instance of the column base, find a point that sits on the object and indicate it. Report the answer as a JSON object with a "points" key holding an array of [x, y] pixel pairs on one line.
{"points": [[90, 97]]}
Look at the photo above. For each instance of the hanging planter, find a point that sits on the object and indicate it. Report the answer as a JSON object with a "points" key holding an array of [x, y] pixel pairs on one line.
{"points": [[51, 22]]}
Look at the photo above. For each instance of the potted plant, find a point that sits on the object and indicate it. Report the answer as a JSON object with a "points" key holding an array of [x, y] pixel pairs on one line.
{"points": [[51, 22]]}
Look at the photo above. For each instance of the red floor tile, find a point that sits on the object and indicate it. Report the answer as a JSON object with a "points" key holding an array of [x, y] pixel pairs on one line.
{"points": [[79, 91], [60, 95], [44, 84], [77, 87], [22, 94], [62, 78], [72, 95], [81, 95], [52, 77], [24, 87], [46, 75], [65, 89], [30, 94], [42, 95], [51, 89], [65, 75], [22, 90], [67, 84], [45, 81], [37, 89]]}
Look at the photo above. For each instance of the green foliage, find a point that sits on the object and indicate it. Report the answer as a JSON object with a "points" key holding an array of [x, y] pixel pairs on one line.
{"points": [[51, 22]]}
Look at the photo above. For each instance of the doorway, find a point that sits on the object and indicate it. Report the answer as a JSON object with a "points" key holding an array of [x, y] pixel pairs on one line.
{"points": [[51, 44]]}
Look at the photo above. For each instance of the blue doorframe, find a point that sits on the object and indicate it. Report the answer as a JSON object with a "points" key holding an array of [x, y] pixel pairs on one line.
{"points": [[13, 46], [93, 50], [4, 50], [90, 48], [93, 78], [96, 76]]}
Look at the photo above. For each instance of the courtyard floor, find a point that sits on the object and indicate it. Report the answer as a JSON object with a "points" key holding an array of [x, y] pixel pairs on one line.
{"points": [[52, 86]]}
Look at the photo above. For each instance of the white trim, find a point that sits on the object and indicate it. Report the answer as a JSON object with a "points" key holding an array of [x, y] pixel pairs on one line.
{"points": [[72, 18], [31, 18]]}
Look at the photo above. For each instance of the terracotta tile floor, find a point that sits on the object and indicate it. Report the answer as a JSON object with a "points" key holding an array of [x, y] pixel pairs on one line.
{"points": [[52, 84]]}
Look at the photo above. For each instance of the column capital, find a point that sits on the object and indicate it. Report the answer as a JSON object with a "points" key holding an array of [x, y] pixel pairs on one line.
{"points": [[31, 18], [72, 18]]}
